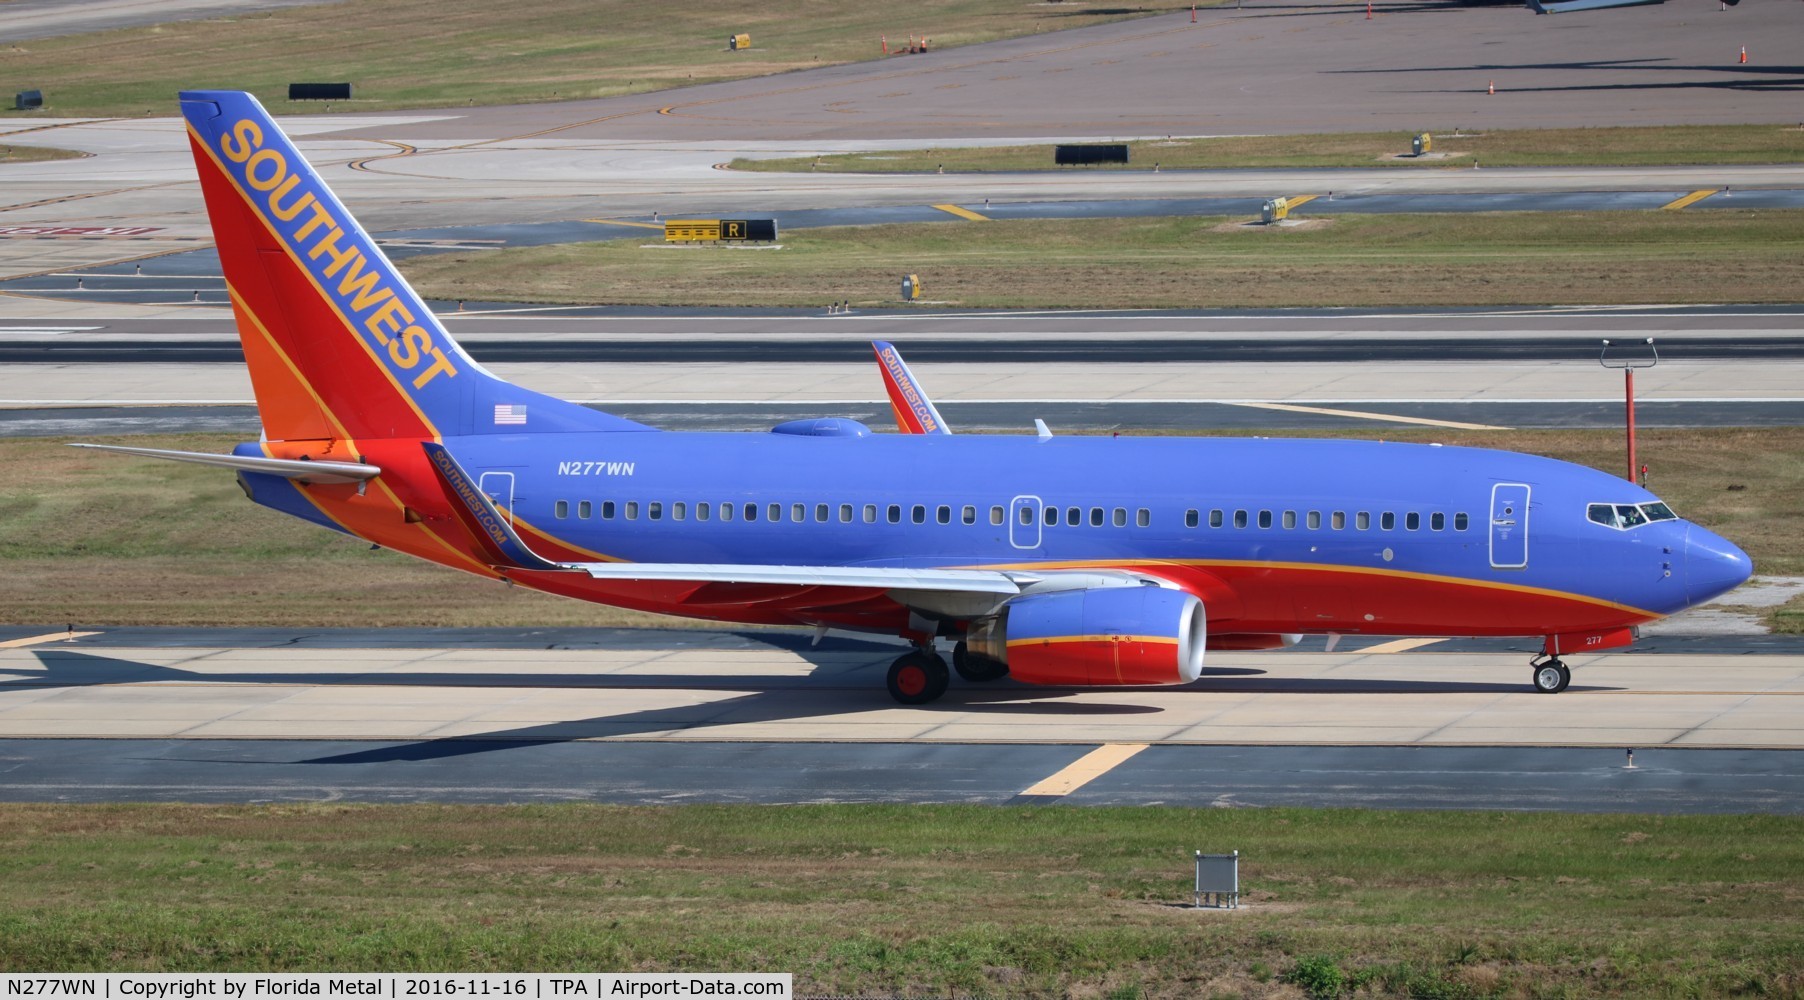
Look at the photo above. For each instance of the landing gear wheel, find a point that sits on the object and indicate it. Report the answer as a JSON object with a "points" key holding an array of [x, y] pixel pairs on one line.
{"points": [[1551, 676], [976, 669], [917, 678]]}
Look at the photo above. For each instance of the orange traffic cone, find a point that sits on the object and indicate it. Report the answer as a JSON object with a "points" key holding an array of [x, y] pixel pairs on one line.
{"points": [[1368, 10], [1744, 53], [885, 40], [1193, 13], [1491, 88]]}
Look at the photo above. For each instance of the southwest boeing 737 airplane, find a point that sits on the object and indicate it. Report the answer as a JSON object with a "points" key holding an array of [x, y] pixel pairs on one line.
{"points": [[1051, 560]]}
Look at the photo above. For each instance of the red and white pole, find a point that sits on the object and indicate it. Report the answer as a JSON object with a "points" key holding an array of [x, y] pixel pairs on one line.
{"points": [[1628, 392]]}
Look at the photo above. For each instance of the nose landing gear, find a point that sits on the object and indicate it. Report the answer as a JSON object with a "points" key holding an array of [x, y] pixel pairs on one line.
{"points": [[1551, 675]]}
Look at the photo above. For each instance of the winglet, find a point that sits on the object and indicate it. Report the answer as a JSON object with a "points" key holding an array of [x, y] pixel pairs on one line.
{"points": [[492, 528], [915, 413]]}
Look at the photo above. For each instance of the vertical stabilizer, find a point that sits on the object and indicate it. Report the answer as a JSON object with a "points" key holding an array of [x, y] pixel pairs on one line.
{"points": [[338, 344]]}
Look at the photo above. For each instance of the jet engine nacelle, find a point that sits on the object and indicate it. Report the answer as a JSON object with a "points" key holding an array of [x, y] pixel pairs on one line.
{"points": [[1105, 635]]}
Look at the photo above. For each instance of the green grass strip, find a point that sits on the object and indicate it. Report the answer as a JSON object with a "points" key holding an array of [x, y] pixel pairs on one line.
{"points": [[1636, 146], [936, 900], [1477, 259]]}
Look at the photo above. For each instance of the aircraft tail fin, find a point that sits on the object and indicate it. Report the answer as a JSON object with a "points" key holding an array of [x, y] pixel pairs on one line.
{"points": [[915, 412], [338, 345]]}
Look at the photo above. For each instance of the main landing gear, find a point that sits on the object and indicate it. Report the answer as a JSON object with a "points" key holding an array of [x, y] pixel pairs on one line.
{"points": [[918, 677], [1551, 675]]}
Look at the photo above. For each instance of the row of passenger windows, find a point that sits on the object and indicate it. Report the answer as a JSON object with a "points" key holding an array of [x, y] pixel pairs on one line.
{"points": [[657, 510], [1337, 520], [1096, 517]]}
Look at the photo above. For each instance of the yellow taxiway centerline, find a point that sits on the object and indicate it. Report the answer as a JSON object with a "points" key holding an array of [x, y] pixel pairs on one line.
{"points": [[1399, 646], [1690, 199], [1364, 415], [622, 222], [47, 637], [963, 213], [1086, 769]]}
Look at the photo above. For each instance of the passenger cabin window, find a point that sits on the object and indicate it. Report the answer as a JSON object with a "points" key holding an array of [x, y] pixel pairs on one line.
{"points": [[773, 512], [943, 514], [679, 511], [1459, 522], [1240, 519], [845, 513], [1190, 519], [655, 509], [1027, 515], [1074, 516], [1096, 517], [894, 513], [1437, 521], [632, 510], [563, 508], [918, 513], [1143, 517], [702, 510], [968, 515], [1412, 521], [1362, 521], [995, 515], [585, 510], [1121, 517], [870, 513], [1315, 519], [750, 512], [1387, 521], [1215, 519], [726, 511], [1265, 519], [607, 510], [1340, 520], [798, 512], [1290, 519], [821, 512], [1049, 515]]}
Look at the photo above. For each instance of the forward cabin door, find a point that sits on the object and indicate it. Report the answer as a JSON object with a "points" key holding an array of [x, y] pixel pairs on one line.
{"points": [[1509, 526]]}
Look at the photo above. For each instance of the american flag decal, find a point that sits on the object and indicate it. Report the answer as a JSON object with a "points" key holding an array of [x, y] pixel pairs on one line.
{"points": [[508, 413]]}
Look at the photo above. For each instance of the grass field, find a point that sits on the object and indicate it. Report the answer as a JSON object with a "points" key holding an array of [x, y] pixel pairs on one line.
{"points": [[1512, 258], [26, 154], [1637, 146], [935, 900], [91, 538], [445, 53]]}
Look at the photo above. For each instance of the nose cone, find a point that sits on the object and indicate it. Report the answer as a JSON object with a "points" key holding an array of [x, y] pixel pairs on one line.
{"points": [[1713, 565]]}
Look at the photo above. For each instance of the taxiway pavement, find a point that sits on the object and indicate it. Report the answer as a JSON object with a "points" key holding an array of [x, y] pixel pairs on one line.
{"points": [[648, 716]]}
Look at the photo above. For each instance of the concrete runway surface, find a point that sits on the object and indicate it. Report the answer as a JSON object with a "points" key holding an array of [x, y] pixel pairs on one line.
{"points": [[524, 715]]}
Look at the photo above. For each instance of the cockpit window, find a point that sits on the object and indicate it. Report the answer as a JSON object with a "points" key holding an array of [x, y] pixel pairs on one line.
{"points": [[1624, 516]]}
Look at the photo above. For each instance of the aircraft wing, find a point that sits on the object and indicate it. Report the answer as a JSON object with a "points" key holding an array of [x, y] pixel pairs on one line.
{"points": [[962, 581], [1568, 6]]}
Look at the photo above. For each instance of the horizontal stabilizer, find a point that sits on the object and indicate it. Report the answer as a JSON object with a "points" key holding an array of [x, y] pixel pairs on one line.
{"points": [[300, 470]]}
